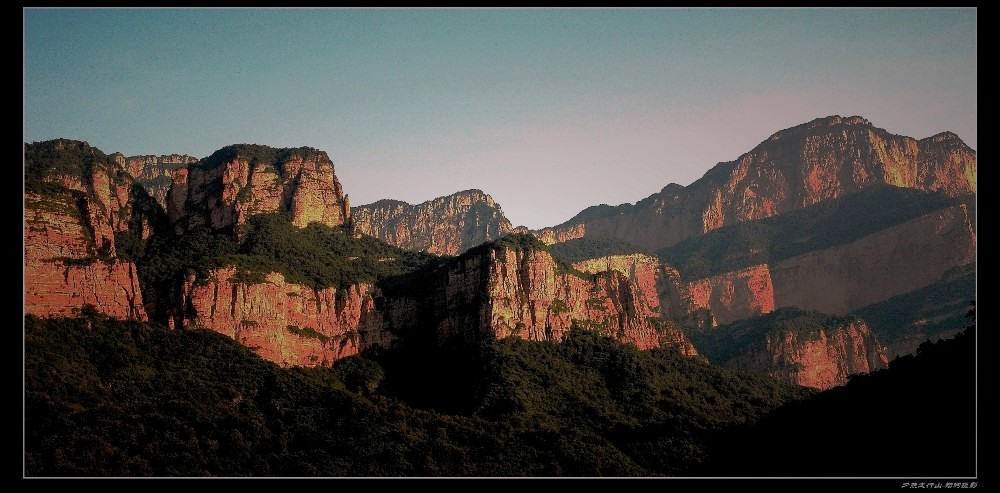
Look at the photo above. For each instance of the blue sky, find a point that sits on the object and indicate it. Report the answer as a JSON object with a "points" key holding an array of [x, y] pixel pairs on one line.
{"points": [[547, 110]]}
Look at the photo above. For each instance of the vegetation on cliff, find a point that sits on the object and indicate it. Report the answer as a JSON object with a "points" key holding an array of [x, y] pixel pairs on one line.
{"points": [[317, 256], [59, 157], [925, 313], [590, 247], [256, 153], [721, 343]]}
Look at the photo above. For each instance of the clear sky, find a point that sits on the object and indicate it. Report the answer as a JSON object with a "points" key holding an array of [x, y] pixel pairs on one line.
{"points": [[549, 111]]}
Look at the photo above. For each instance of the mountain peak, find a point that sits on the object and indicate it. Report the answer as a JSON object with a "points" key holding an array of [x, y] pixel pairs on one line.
{"points": [[821, 124], [445, 225], [476, 195], [944, 137], [815, 161], [257, 153]]}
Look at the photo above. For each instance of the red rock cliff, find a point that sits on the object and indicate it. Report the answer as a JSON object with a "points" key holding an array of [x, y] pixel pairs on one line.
{"points": [[843, 278], [822, 360], [289, 324], [492, 294], [736, 295], [225, 189], [794, 168], [444, 226], [660, 286], [522, 292], [155, 173], [896, 260], [71, 217]]}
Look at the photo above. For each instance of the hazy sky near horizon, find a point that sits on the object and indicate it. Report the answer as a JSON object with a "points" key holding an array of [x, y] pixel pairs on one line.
{"points": [[547, 110]]}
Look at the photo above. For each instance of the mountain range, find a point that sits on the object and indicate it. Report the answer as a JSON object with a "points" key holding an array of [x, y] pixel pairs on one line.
{"points": [[824, 252]]}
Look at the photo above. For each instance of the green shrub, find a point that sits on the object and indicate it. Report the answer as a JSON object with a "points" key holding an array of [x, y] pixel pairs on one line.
{"points": [[308, 332]]}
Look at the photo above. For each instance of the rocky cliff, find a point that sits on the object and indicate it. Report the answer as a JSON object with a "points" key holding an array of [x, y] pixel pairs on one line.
{"points": [[794, 168], [76, 200], [444, 226], [237, 181], [660, 285], [289, 324], [490, 292], [505, 291], [843, 278], [890, 262], [803, 348], [86, 222], [155, 173], [736, 295], [822, 361]]}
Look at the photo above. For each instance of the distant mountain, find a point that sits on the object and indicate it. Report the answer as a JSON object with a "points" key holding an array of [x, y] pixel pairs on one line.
{"points": [[261, 244], [835, 256], [446, 225], [155, 173], [794, 168]]}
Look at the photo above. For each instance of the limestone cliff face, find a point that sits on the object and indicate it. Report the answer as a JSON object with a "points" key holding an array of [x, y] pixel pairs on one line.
{"points": [[444, 226], [641, 270], [843, 278], [660, 286], [494, 293], [225, 189], [523, 293], [61, 272], [155, 173], [891, 262], [72, 211], [822, 359], [736, 295], [286, 323], [794, 168]]}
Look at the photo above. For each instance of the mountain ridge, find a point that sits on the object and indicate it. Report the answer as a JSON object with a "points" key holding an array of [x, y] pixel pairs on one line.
{"points": [[223, 208], [446, 225], [795, 167]]}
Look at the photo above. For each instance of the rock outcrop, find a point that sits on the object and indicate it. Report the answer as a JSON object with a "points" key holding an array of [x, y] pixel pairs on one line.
{"points": [[225, 189], [804, 348], [794, 168], [155, 173], [76, 199], [503, 291], [488, 293], [736, 295], [444, 226], [289, 324], [890, 262], [660, 285], [500, 291], [821, 359]]}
